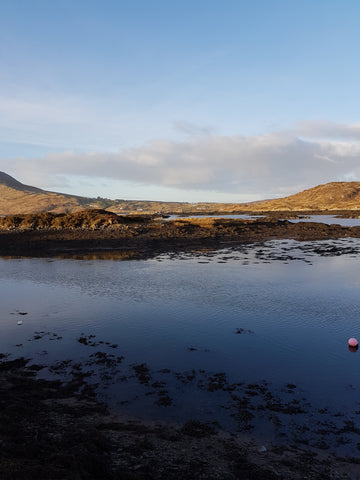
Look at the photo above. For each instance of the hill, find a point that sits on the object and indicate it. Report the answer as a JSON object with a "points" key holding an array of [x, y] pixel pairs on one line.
{"points": [[330, 196], [334, 196], [17, 198]]}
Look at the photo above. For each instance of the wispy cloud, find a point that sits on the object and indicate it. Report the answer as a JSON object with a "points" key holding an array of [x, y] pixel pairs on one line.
{"points": [[62, 121], [191, 129], [267, 165]]}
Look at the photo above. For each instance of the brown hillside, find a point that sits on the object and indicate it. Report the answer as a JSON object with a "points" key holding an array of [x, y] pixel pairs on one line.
{"points": [[17, 198], [10, 182], [330, 196]]}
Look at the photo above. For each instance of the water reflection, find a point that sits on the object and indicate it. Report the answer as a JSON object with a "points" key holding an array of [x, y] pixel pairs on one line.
{"points": [[113, 255]]}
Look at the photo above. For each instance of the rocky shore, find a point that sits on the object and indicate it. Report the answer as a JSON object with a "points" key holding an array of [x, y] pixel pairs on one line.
{"points": [[52, 429], [98, 231]]}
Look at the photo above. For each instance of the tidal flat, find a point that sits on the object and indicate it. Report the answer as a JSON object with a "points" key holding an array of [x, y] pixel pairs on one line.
{"points": [[202, 362]]}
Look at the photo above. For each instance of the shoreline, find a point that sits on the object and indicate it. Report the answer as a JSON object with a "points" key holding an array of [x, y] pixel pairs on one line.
{"points": [[97, 231]]}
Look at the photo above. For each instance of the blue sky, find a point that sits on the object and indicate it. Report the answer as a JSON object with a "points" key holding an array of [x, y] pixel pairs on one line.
{"points": [[198, 100]]}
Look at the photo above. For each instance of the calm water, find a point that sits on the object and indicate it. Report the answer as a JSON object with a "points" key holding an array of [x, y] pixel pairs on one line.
{"points": [[327, 219], [241, 216], [296, 303]]}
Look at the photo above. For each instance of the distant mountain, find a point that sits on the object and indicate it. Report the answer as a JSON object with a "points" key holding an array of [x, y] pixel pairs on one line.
{"points": [[10, 182], [330, 196], [17, 198]]}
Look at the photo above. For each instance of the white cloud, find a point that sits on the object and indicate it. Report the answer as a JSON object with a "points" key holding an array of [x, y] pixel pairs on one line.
{"points": [[265, 165], [326, 129]]}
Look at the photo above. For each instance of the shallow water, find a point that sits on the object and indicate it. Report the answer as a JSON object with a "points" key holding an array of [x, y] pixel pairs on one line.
{"points": [[296, 304], [240, 216], [329, 220]]}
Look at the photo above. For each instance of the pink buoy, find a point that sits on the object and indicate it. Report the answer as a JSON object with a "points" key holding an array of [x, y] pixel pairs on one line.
{"points": [[353, 342]]}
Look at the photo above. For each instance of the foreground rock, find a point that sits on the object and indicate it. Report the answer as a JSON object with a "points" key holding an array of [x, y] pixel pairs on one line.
{"points": [[98, 230], [54, 430]]}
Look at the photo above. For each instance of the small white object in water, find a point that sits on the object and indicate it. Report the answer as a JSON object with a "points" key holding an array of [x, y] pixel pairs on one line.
{"points": [[262, 449], [19, 322]]}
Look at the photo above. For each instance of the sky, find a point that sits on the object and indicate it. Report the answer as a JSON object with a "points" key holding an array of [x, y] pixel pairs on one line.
{"points": [[179, 100]]}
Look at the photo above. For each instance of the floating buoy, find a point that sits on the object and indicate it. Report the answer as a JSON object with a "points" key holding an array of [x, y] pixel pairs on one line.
{"points": [[353, 342]]}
